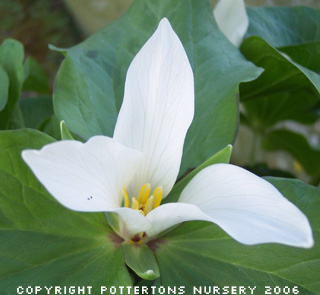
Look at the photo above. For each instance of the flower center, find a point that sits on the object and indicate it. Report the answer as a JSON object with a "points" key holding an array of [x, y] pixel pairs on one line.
{"points": [[145, 203]]}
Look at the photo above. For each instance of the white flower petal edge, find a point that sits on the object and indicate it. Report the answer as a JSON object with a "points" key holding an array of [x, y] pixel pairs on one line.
{"points": [[131, 222], [85, 176], [157, 108], [170, 214], [248, 208], [232, 19], [89, 176]]}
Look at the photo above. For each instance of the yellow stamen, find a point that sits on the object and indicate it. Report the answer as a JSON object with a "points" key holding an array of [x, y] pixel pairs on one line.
{"points": [[148, 206], [135, 204], [144, 193], [126, 198], [144, 204], [157, 196]]}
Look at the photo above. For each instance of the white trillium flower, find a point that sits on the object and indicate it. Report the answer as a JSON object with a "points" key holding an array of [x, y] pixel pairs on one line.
{"points": [[232, 19], [132, 172]]}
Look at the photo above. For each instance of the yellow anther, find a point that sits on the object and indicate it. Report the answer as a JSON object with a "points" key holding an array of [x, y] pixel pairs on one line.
{"points": [[145, 203], [144, 193], [126, 197], [135, 204], [148, 206], [157, 196]]}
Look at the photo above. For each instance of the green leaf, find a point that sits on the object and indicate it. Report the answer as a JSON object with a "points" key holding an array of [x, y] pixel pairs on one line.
{"points": [[290, 54], [297, 105], [35, 110], [11, 58], [307, 55], [65, 134], [90, 83], [141, 260], [280, 73], [43, 243], [284, 26], [293, 30], [201, 254], [222, 156], [285, 90], [4, 88], [297, 146], [35, 78]]}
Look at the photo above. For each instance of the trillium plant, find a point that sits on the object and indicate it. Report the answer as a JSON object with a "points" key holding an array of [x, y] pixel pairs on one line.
{"points": [[120, 180], [132, 173]]}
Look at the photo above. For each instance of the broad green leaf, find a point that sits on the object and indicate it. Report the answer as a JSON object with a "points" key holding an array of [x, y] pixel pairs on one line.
{"points": [[141, 260], [297, 146], [281, 73], [289, 87], [35, 110], [35, 78], [90, 83], [222, 156], [4, 88], [201, 254], [43, 243], [307, 55], [285, 90], [11, 58], [293, 30], [291, 104], [284, 26]]}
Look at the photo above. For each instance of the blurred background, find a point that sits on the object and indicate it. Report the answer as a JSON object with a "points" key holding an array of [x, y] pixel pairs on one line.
{"points": [[37, 23]]}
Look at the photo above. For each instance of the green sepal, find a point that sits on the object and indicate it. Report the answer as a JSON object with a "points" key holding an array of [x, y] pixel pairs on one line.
{"points": [[141, 260], [223, 156], [65, 134], [63, 51]]}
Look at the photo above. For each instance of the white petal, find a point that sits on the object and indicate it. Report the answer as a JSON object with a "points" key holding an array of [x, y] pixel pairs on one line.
{"points": [[131, 222], [168, 215], [157, 108], [247, 207], [85, 177], [232, 19]]}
